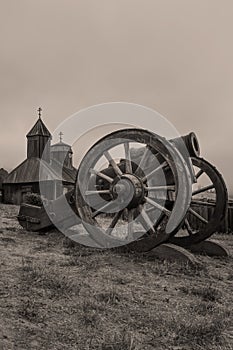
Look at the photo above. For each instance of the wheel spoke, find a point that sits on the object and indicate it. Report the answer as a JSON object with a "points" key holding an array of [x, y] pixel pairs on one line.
{"points": [[203, 189], [161, 166], [145, 220], [209, 204], [199, 173], [160, 188], [188, 227], [128, 164], [158, 206], [89, 193], [113, 163], [198, 216], [142, 160], [102, 175], [100, 210], [130, 224], [114, 222]]}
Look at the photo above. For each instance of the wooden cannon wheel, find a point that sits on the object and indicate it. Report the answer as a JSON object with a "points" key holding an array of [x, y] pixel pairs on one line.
{"points": [[209, 183], [118, 197]]}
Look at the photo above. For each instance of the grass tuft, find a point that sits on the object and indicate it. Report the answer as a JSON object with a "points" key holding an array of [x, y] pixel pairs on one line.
{"points": [[200, 331], [206, 293], [109, 297], [30, 309], [47, 277], [118, 341]]}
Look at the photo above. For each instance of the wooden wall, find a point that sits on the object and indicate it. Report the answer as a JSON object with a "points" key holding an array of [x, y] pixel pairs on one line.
{"points": [[15, 193], [207, 212], [230, 217]]}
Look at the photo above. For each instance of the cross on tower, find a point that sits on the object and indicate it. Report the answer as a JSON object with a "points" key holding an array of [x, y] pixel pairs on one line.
{"points": [[39, 110], [61, 134]]}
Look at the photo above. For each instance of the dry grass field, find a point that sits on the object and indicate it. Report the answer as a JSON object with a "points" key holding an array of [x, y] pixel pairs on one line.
{"points": [[58, 295]]}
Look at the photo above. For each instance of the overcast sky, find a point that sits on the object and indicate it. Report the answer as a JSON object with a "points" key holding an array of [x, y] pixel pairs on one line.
{"points": [[175, 56]]}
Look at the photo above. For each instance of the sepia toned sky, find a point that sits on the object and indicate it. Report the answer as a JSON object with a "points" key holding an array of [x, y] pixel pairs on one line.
{"points": [[175, 56]]}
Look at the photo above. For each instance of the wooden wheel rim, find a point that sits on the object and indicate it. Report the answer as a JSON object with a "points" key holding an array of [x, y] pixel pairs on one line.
{"points": [[180, 173]]}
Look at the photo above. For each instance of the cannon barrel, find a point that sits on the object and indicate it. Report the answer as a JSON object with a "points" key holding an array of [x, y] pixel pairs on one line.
{"points": [[190, 141]]}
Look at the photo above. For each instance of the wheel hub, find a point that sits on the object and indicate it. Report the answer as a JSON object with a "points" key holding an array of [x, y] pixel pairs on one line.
{"points": [[128, 188]]}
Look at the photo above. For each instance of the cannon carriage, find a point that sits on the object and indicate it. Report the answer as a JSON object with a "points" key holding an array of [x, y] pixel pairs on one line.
{"points": [[137, 189]]}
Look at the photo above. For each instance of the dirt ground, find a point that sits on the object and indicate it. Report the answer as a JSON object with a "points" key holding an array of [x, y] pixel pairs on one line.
{"points": [[55, 294]]}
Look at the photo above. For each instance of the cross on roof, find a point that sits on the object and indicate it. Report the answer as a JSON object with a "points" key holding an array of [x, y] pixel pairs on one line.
{"points": [[61, 134], [39, 110]]}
